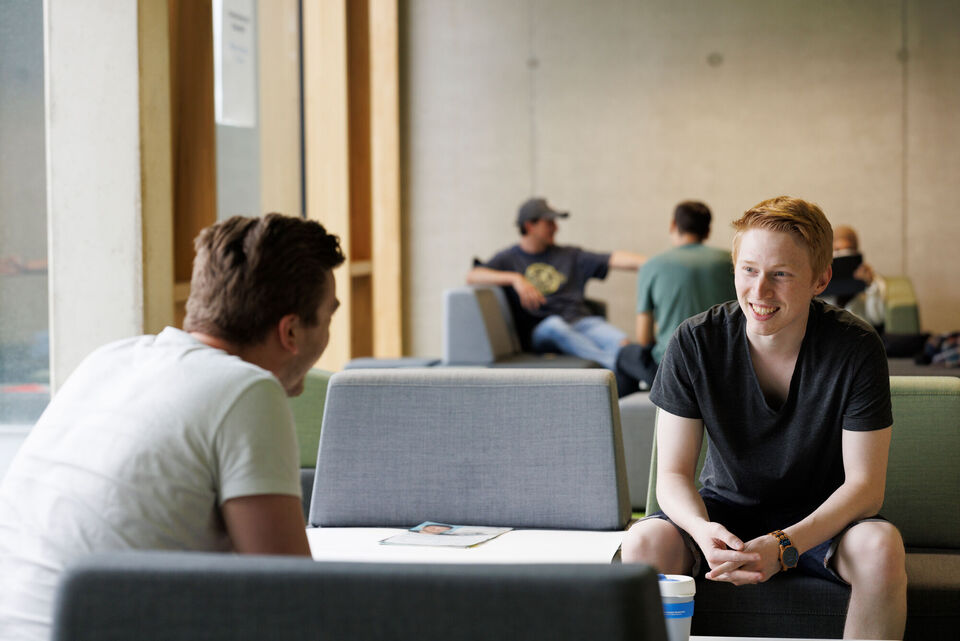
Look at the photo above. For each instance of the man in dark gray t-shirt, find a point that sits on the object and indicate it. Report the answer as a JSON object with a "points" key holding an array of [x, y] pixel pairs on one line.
{"points": [[794, 397], [549, 280]]}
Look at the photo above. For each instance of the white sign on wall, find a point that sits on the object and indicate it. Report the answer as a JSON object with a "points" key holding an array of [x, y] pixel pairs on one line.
{"points": [[235, 62]]}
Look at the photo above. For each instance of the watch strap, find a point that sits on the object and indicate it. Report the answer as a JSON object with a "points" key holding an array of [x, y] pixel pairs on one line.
{"points": [[784, 542]]}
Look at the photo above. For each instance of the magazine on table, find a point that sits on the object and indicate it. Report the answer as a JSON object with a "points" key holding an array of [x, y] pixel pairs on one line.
{"points": [[445, 535]]}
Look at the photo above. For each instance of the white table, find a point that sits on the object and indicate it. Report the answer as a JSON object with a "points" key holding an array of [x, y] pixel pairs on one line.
{"points": [[702, 638], [516, 546]]}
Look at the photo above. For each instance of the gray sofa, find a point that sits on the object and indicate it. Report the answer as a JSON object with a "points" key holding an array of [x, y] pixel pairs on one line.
{"points": [[923, 477], [519, 448], [638, 419], [479, 329], [165, 596]]}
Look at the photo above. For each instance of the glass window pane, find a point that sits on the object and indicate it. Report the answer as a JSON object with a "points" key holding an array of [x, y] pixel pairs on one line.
{"points": [[24, 337]]}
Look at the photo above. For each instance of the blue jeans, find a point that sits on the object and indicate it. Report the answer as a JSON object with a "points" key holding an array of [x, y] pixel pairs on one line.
{"points": [[592, 338]]}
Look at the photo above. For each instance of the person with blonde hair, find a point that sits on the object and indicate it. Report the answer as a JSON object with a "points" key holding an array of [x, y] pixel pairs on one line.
{"points": [[794, 395]]}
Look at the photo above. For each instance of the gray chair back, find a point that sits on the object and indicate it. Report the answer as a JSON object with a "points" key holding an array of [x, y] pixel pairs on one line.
{"points": [[478, 326], [164, 596], [523, 448]]}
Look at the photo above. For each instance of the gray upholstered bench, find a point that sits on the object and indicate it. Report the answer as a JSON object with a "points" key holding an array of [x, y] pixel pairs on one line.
{"points": [[519, 448], [479, 329], [638, 418], [167, 596]]}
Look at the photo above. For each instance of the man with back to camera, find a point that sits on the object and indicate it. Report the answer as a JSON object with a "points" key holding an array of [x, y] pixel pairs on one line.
{"points": [[549, 280], [183, 440], [795, 397], [675, 285]]}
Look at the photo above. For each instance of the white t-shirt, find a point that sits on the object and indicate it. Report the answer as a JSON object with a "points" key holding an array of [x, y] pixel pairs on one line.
{"points": [[138, 450]]}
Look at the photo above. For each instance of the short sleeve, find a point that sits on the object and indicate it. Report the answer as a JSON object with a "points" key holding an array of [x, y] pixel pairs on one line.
{"points": [[869, 407], [256, 445], [645, 289], [673, 388], [502, 261], [593, 264]]}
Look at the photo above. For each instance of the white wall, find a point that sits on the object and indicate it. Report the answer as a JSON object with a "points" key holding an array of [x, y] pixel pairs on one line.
{"points": [[93, 177], [618, 110]]}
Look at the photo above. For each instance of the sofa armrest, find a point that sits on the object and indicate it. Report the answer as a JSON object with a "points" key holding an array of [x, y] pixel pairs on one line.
{"points": [[477, 329]]}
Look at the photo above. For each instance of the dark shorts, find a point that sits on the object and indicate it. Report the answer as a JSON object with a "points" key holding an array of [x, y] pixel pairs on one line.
{"points": [[747, 525]]}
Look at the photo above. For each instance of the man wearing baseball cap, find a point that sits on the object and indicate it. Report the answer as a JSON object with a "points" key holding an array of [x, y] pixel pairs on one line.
{"points": [[549, 280]]}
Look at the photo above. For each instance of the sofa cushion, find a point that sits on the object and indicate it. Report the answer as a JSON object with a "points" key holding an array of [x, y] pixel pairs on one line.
{"points": [[526, 359], [788, 605], [933, 594]]}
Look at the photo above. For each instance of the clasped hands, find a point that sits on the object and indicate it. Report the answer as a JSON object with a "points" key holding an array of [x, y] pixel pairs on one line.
{"points": [[734, 561]]}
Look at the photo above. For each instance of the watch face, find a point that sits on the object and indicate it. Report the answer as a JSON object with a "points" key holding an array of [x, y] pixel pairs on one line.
{"points": [[790, 556]]}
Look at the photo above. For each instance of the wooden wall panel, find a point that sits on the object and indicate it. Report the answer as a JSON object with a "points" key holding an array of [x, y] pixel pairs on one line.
{"points": [[192, 124], [281, 172], [385, 178], [156, 165], [326, 152]]}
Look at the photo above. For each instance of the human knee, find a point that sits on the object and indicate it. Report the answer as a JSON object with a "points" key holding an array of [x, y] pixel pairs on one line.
{"points": [[553, 323], [655, 542], [877, 557]]}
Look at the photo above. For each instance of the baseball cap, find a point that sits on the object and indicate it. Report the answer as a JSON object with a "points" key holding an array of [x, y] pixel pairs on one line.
{"points": [[537, 208]]}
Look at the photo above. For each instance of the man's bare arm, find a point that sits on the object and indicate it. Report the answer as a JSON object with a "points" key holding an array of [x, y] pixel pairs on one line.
{"points": [[266, 524], [860, 496], [678, 450], [620, 259], [530, 296], [645, 329]]}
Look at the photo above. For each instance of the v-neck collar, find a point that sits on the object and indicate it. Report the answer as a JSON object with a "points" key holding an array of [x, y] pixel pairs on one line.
{"points": [[794, 377]]}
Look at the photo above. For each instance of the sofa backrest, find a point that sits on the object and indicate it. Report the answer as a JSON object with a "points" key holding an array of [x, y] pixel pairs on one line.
{"points": [[478, 327], [307, 411], [923, 471], [163, 596], [901, 314], [510, 447]]}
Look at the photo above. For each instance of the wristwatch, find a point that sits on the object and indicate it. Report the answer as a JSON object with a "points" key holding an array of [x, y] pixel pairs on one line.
{"points": [[788, 554]]}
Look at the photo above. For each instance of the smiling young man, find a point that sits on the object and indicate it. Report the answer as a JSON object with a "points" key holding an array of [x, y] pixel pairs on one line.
{"points": [[183, 440], [795, 398]]}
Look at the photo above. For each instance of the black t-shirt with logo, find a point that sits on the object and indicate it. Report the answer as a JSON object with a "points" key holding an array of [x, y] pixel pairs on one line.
{"points": [[781, 463], [559, 272]]}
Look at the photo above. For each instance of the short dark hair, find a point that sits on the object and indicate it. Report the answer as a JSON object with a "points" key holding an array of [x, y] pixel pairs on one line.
{"points": [[693, 217], [523, 225], [249, 273]]}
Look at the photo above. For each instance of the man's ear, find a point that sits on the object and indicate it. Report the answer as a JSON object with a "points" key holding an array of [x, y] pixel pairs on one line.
{"points": [[823, 281], [287, 332]]}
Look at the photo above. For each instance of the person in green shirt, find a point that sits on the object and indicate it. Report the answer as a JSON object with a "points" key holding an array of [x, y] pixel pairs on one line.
{"points": [[675, 285]]}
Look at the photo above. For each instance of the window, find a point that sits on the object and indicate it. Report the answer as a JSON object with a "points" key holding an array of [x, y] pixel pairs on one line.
{"points": [[24, 337]]}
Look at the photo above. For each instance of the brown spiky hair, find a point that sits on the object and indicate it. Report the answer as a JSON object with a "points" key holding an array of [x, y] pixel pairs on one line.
{"points": [[803, 220]]}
